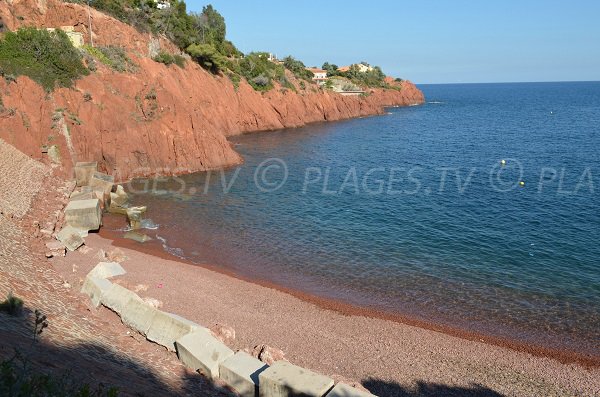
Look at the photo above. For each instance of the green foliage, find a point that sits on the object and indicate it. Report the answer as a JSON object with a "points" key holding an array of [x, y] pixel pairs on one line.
{"points": [[370, 78], [112, 56], [258, 70], [207, 56], [19, 379], [169, 59], [331, 69], [297, 68], [12, 305], [48, 58]]}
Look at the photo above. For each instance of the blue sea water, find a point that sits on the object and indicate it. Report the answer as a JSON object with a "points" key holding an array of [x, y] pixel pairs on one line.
{"points": [[413, 212]]}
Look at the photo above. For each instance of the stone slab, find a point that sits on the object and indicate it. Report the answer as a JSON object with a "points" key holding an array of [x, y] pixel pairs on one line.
{"points": [[241, 372], [284, 379], [70, 237], [138, 315], [84, 172], [202, 352], [84, 214], [166, 328], [137, 236], [82, 196], [107, 270], [95, 288], [344, 390], [102, 182], [117, 297]]}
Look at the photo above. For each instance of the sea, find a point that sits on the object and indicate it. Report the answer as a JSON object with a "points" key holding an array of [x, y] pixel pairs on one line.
{"points": [[479, 209]]}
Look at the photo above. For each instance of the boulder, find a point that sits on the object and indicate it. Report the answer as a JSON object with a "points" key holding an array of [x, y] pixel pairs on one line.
{"points": [[84, 214], [84, 172], [134, 215], [224, 333], [136, 236], [268, 354]]}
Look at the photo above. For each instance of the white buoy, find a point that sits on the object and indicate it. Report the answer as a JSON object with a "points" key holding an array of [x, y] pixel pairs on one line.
{"points": [[503, 162]]}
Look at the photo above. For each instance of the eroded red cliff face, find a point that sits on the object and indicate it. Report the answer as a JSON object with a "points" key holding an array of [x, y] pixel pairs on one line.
{"points": [[159, 120]]}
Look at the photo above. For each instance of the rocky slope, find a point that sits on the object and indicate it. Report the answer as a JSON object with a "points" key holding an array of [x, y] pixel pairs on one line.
{"points": [[160, 119]]}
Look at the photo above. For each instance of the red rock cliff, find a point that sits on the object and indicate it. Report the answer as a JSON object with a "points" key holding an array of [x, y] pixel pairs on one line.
{"points": [[161, 119]]}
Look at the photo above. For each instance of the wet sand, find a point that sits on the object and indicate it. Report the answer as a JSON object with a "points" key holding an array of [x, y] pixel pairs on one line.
{"points": [[389, 356]]}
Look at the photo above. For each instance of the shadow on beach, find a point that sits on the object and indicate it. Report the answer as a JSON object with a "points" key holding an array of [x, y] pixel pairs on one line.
{"points": [[425, 389], [100, 367]]}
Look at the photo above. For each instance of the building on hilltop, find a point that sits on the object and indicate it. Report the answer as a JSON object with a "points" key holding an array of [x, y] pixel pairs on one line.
{"points": [[320, 75]]}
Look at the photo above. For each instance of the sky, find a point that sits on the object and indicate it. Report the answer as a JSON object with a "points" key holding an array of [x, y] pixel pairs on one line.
{"points": [[426, 41]]}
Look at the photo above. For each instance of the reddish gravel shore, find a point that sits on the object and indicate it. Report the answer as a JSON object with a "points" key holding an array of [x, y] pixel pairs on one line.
{"points": [[388, 357]]}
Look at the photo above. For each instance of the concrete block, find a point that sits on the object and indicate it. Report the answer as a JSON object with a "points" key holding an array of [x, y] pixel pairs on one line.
{"points": [[134, 215], [202, 352], [70, 237], [117, 297], [344, 390], [284, 379], [166, 328], [241, 373], [95, 287], [119, 198], [136, 236], [102, 182], [84, 172], [107, 270], [82, 196], [84, 214], [138, 315]]}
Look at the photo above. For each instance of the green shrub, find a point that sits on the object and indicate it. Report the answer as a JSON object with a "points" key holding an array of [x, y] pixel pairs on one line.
{"points": [[297, 68], [164, 57], [208, 57], [12, 305], [112, 56], [179, 60], [48, 58]]}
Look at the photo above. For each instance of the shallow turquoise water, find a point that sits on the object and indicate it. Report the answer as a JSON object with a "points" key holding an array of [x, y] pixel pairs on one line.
{"points": [[428, 221]]}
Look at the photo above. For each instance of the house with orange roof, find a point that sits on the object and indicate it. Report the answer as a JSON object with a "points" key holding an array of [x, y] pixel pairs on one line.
{"points": [[320, 75]]}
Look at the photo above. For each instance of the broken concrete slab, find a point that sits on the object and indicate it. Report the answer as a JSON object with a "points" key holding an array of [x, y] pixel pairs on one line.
{"points": [[70, 237], [138, 315], [284, 379], [344, 390], [202, 352], [117, 297], [166, 328], [119, 198], [82, 196], [137, 236], [102, 182], [84, 214], [95, 288], [134, 215], [107, 270], [241, 373], [84, 172]]}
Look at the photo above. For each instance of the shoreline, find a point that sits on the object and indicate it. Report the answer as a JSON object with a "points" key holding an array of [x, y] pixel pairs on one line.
{"points": [[564, 356]]}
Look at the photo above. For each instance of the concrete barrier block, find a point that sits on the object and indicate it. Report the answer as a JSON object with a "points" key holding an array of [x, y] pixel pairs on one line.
{"points": [[84, 214], [107, 270], [70, 237], [117, 297], [344, 390], [241, 373], [166, 328], [84, 172], [82, 196], [202, 352], [102, 182], [284, 379], [138, 315], [95, 288]]}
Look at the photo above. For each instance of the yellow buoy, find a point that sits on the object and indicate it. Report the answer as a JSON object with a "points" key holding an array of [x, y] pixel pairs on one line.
{"points": [[522, 183], [503, 162]]}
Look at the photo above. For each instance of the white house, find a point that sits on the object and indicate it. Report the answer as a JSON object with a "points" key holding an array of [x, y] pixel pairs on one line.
{"points": [[320, 75]]}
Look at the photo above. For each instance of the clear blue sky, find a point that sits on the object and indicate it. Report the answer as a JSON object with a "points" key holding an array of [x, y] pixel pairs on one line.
{"points": [[427, 41]]}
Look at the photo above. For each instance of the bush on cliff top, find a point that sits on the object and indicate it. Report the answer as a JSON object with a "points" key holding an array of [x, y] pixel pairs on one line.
{"points": [[48, 58]]}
